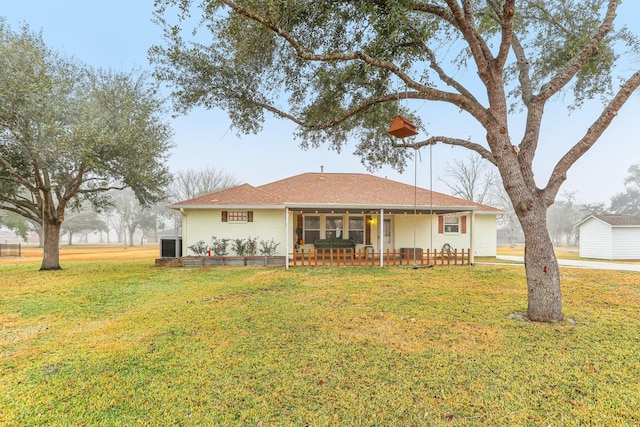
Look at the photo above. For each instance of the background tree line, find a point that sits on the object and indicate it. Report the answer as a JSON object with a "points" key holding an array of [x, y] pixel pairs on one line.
{"points": [[476, 180], [470, 178], [123, 219]]}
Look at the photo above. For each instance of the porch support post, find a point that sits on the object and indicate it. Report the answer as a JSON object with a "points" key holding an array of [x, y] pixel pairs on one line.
{"points": [[381, 237], [184, 231], [472, 233], [286, 238]]}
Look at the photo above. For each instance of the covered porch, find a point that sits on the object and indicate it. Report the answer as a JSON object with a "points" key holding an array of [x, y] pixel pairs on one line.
{"points": [[381, 236]]}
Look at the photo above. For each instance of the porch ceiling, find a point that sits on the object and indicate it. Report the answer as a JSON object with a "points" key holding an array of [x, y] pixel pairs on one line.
{"points": [[388, 210]]}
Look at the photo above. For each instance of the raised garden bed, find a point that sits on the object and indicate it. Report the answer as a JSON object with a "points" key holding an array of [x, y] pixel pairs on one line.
{"points": [[201, 261]]}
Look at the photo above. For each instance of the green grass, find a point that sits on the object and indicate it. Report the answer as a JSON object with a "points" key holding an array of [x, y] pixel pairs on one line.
{"points": [[124, 343]]}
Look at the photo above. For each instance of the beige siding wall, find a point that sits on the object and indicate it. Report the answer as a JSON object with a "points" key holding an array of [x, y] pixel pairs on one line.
{"points": [[267, 224], [403, 227], [202, 224], [485, 235], [484, 231], [421, 230]]}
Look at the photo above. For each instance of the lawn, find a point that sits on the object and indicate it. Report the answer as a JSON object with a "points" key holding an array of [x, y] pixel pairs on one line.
{"points": [[120, 343], [562, 252]]}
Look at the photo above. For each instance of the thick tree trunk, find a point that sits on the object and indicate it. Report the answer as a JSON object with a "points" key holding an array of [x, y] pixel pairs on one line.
{"points": [[543, 274], [51, 250]]}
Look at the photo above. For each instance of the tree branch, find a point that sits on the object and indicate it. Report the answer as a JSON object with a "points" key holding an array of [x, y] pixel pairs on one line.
{"points": [[594, 132], [25, 209], [508, 12], [483, 152], [337, 120], [571, 68], [438, 11], [100, 189], [469, 105], [535, 103], [17, 178], [74, 184], [524, 69], [481, 53], [433, 63]]}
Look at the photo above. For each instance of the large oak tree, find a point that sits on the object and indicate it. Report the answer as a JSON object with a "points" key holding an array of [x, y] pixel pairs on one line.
{"points": [[338, 68], [69, 133]]}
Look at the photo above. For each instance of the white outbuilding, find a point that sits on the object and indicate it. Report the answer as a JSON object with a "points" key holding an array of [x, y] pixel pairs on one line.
{"points": [[613, 237]]}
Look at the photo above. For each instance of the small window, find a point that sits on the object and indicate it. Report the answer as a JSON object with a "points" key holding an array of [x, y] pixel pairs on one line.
{"points": [[451, 224], [356, 229], [241, 216]]}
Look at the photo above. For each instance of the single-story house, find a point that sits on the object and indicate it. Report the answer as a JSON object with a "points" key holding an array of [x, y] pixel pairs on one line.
{"points": [[610, 237], [303, 211]]}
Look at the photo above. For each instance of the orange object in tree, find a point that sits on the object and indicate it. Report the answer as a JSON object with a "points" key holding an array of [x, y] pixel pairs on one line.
{"points": [[402, 128]]}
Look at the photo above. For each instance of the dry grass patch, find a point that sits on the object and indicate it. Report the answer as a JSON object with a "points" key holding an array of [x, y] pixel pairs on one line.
{"points": [[87, 252], [413, 335], [562, 252]]}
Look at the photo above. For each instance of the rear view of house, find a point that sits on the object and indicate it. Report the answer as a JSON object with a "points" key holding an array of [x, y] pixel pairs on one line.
{"points": [[613, 237], [342, 211]]}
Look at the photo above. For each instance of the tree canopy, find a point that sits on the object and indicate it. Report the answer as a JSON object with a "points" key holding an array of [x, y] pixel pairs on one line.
{"points": [[628, 201], [342, 69], [69, 133]]}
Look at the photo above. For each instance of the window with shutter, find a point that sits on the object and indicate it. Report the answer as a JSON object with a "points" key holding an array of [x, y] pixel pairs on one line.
{"points": [[449, 224], [237, 216]]}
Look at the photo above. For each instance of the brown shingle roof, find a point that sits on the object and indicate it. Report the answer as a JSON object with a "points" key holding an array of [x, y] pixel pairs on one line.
{"points": [[619, 219], [242, 195], [333, 189], [355, 189]]}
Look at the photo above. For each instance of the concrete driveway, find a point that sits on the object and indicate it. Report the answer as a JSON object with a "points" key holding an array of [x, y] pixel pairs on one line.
{"points": [[593, 265]]}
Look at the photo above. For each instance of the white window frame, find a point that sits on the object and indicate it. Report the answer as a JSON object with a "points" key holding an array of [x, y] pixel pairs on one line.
{"points": [[362, 230], [387, 231], [238, 217], [451, 227], [305, 228], [333, 231]]}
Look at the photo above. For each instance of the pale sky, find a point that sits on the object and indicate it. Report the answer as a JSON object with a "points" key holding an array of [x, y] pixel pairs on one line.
{"points": [[117, 34]]}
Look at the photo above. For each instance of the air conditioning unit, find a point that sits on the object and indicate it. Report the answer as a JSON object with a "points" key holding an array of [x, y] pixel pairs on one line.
{"points": [[171, 247]]}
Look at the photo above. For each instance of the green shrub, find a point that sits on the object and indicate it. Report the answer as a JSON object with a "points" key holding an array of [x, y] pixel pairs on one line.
{"points": [[219, 246], [269, 247], [238, 246], [199, 248], [251, 246]]}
